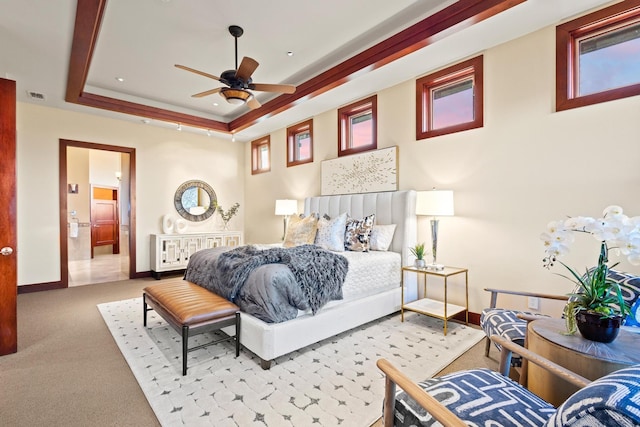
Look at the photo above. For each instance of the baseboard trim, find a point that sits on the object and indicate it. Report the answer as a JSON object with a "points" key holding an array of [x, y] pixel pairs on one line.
{"points": [[37, 287]]}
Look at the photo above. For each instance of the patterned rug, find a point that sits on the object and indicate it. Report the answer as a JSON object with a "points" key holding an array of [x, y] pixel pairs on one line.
{"points": [[332, 383]]}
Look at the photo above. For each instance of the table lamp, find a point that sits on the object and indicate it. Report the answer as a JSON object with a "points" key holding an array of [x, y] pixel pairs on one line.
{"points": [[434, 203], [286, 207]]}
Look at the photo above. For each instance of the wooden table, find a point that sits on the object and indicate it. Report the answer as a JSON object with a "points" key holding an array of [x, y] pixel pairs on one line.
{"points": [[590, 359]]}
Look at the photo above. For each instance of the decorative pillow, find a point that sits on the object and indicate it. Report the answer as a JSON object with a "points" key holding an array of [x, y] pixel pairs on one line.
{"points": [[331, 232], [358, 233], [300, 231], [381, 236]]}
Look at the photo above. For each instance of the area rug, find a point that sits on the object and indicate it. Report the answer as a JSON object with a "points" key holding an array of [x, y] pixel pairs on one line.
{"points": [[332, 383]]}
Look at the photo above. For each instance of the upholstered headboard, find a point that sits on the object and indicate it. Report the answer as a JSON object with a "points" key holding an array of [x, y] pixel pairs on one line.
{"points": [[392, 207]]}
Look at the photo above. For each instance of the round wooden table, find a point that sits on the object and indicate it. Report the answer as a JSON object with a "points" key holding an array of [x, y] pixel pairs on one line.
{"points": [[588, 358]]}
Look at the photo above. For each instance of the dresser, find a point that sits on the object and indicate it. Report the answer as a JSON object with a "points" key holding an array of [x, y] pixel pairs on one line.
{"points": [[171, 252]]}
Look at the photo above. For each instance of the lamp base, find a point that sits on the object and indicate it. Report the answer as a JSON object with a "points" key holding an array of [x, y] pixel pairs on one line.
{"points": [[435, 267]]}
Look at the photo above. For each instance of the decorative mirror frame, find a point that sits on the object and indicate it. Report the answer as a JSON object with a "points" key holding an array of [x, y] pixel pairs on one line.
{"points": [[177, 200]]}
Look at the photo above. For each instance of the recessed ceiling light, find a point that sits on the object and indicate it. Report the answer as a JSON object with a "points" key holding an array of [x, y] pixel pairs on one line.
{"points": [[120, 79]]}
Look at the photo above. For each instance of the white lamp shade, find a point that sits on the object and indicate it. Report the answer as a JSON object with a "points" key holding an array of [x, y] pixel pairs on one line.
{"points": [[434, 203], [286, 207]]}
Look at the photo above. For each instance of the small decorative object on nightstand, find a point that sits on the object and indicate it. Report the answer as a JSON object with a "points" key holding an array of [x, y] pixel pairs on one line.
{"points": [[434, 308], [418, 252]]}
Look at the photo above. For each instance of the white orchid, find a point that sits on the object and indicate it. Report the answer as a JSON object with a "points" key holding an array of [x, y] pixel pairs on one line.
{"points": [[619, 232]]}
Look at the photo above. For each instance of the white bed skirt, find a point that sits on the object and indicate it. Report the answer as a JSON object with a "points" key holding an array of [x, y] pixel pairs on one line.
{"points": [[271, 340]]}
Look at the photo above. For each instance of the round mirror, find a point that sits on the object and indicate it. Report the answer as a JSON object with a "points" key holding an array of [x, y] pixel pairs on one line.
{"points": [[195, 200]]}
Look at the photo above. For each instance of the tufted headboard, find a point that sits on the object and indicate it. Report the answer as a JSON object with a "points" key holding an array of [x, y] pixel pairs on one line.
{"points": [[392, 207]]}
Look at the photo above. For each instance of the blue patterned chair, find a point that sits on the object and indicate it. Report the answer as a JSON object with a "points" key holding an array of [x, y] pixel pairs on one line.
{"points": [[481, 397], [511, 324]]}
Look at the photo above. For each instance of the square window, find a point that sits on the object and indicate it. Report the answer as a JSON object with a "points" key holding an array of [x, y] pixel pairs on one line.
{"points": [[300, 143], [450, 100], [261, 155], [357, 128], [598, 56]]}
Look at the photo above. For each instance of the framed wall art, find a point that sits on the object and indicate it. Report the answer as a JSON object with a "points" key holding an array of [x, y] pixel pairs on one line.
{"points": [[367, 172]]}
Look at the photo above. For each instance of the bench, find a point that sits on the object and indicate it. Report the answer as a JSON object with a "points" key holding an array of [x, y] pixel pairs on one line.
{"points": [[191, 309]]}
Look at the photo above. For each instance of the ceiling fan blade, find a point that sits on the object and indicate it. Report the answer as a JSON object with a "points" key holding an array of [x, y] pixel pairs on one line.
{"points": [[246, 68], [266, 87], [253, 103], [207, 93], [202, 73]]}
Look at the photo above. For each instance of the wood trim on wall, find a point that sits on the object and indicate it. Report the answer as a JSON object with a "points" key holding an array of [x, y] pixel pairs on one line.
{"points": [[89, 14]]}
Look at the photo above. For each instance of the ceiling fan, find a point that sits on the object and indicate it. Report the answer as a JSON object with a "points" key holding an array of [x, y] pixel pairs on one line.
{"points": [[239, 81]]}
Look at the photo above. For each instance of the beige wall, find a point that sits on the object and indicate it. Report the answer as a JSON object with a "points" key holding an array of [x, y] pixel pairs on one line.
{"points": [[164, 160], [527, 166]]}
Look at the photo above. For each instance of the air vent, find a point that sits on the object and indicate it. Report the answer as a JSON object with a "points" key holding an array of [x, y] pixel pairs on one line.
{"points": [[37, 96]]}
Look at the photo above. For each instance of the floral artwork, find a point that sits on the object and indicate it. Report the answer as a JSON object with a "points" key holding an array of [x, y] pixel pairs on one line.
{"points": [[361, 173]]}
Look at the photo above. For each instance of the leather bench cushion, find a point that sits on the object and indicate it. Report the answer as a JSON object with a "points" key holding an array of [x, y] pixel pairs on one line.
{"points": [[190, 304]]}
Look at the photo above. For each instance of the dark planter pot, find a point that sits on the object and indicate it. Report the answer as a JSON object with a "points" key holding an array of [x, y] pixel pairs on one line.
{"points": [[595, 328]]}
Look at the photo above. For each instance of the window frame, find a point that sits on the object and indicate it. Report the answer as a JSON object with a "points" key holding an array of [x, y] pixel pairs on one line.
{"points": [[425, 85], [256, 166], [346, 113], [292, 132], [567, 34]]}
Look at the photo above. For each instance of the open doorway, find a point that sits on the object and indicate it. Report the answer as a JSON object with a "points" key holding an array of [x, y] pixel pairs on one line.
{"points": [[97, 213]]}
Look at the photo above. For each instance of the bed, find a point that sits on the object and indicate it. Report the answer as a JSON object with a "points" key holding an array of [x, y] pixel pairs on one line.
{"points": [[369, 292]]}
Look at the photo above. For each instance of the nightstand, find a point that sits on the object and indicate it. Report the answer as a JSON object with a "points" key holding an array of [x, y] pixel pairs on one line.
{"points": [[434, 308]]}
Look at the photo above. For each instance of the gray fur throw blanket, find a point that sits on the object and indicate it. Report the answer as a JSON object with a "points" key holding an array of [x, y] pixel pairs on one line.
{"points": [[319, 273]]}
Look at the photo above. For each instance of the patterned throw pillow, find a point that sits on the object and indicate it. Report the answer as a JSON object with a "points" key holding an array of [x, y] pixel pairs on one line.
{"points": [[381, 236], [331, 232], [300, 231], [358, 233]]}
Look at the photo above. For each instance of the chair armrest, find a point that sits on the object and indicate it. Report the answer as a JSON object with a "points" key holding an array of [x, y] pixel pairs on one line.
{"points": [[509, 347], [394, 377], [529, 317], [495, 292]]}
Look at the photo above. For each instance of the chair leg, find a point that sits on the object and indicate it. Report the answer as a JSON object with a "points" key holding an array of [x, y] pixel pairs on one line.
{"points": [[185, 348], [487, 346]]}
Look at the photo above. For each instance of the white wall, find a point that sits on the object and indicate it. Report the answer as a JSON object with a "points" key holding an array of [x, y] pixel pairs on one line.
{"points": [[164, 160], [527, 166]]}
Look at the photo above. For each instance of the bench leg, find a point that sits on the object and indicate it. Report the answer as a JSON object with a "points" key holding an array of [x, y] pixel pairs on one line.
{"points": [[237, 333], [144, 308], [185, 348]]}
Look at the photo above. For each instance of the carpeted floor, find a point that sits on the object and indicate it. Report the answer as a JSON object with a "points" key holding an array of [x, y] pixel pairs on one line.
{"points": [[334, 382], [68, 370]]}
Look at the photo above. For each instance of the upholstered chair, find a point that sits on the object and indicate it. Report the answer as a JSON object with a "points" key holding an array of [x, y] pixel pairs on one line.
{"points": [[484, 397]]}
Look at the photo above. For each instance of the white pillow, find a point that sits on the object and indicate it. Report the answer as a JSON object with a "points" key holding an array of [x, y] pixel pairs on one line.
{"points": [[331, 233], [381, 237]]}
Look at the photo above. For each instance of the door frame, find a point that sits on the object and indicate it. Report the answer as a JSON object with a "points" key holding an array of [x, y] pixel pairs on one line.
{"points": [[64, 255]]}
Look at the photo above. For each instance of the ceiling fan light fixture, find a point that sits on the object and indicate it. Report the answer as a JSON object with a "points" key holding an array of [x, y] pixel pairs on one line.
{"points": [[235, 96]]}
